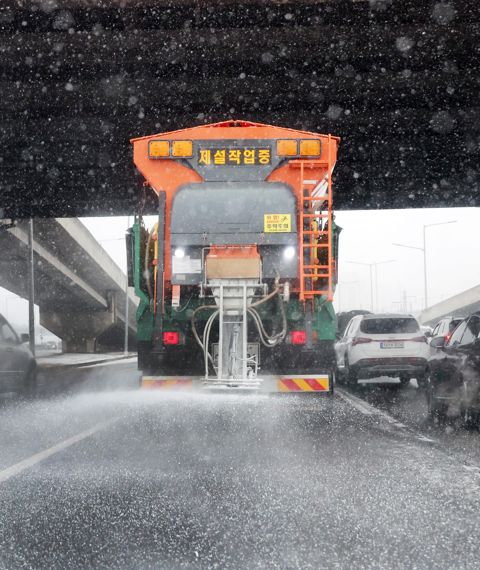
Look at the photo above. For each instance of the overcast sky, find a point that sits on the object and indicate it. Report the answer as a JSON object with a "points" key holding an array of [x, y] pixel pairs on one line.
{"points": [[453, 253]]}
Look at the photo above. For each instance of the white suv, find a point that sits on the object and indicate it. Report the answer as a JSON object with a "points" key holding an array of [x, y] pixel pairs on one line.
{"points": [[382, 345]]}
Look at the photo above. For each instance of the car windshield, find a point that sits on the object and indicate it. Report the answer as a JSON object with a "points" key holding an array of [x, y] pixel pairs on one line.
{"points": [[389, 326]]}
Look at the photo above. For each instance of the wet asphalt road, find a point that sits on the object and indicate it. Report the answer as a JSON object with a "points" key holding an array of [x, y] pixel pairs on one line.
{"points": [[156, 480], [409, 406]]}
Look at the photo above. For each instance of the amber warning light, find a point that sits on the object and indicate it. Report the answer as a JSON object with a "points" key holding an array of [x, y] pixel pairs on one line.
{"points": [[167, 149], [235, 156], [304, 147]]}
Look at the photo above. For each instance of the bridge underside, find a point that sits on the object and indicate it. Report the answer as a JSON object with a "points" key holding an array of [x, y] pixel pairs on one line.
{"points": [[398, 80]]}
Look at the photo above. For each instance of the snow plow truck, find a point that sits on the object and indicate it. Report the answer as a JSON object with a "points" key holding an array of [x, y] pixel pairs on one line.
{"points": [[236, 279]]}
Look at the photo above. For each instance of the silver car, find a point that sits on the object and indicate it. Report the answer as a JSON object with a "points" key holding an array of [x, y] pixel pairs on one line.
{"points": [[17, 363]]}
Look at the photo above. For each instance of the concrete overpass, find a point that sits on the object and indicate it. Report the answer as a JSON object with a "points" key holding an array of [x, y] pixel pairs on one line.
{"points": [[396, 79], [459, 305], [78, 287]]}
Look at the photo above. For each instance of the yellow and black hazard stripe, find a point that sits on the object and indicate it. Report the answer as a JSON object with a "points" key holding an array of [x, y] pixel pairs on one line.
{"points": [[166, 383], [304, 384]]}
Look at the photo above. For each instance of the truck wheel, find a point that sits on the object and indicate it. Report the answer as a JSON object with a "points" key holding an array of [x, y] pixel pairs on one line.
{"points": [[333, 380]]}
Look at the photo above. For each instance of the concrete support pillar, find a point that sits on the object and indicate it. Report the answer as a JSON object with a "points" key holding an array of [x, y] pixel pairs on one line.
{"points": [[78, 330]]}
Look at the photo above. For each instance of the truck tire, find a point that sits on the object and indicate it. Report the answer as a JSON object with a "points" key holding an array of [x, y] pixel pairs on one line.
{"points": [[333, 381]]}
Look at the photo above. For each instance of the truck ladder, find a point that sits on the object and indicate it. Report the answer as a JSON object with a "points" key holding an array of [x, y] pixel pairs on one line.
{"points": [[311, 238]]}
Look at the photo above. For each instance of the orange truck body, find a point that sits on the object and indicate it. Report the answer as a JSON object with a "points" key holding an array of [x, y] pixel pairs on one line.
{"points": [[170, 174], [246, 237]]}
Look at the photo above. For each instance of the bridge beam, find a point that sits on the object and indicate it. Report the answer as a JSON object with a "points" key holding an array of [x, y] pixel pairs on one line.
{"points": [[79, 289], [457, 306]]}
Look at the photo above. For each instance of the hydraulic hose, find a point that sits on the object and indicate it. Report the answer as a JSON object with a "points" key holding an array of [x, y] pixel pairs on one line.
{"points": [[192, 320], [266, 339], [185, 306], [266, 298], [206, 340]]}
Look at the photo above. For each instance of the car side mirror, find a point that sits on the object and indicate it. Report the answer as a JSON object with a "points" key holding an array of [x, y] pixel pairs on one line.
{"points": [[24, 338], [428, 334], [438, 342]]}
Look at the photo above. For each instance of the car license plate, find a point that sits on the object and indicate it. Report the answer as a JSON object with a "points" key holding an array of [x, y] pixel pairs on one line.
{"points": [[392, 345]]}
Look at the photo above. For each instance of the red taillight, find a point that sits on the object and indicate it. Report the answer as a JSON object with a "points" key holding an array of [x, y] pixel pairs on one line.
{"points": [[171, 337], [298, 337], [360, 340], [448, 337], [419, 339]]}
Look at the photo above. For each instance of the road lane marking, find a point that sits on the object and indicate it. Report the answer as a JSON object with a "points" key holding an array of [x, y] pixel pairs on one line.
{"points": [[17, 468], [369, 410], [355, 403]]}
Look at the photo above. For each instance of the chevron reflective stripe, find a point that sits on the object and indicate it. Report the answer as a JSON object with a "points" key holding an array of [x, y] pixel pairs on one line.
{"points": [[304, 384], [166, 384]]}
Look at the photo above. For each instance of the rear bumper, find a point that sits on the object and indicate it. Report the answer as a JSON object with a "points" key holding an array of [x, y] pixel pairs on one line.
{"points": [[295, 383], [370, 367]]}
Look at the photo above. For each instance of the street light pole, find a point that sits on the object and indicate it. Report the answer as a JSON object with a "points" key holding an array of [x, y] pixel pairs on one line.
{"points": [[31, 288], [371, 265], [425, 284], [125, 340], [424, 250]]}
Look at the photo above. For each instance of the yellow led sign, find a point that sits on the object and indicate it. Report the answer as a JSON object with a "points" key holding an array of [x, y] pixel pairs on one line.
{"points": [[244, 156]]}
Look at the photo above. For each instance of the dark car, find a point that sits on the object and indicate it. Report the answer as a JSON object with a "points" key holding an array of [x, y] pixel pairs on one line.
{"points": [[453, 372], [17, 363], [446, 326]]}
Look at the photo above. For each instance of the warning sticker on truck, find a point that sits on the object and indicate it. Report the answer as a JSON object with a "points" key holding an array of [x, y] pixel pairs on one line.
{"points": [[277, 223]]}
